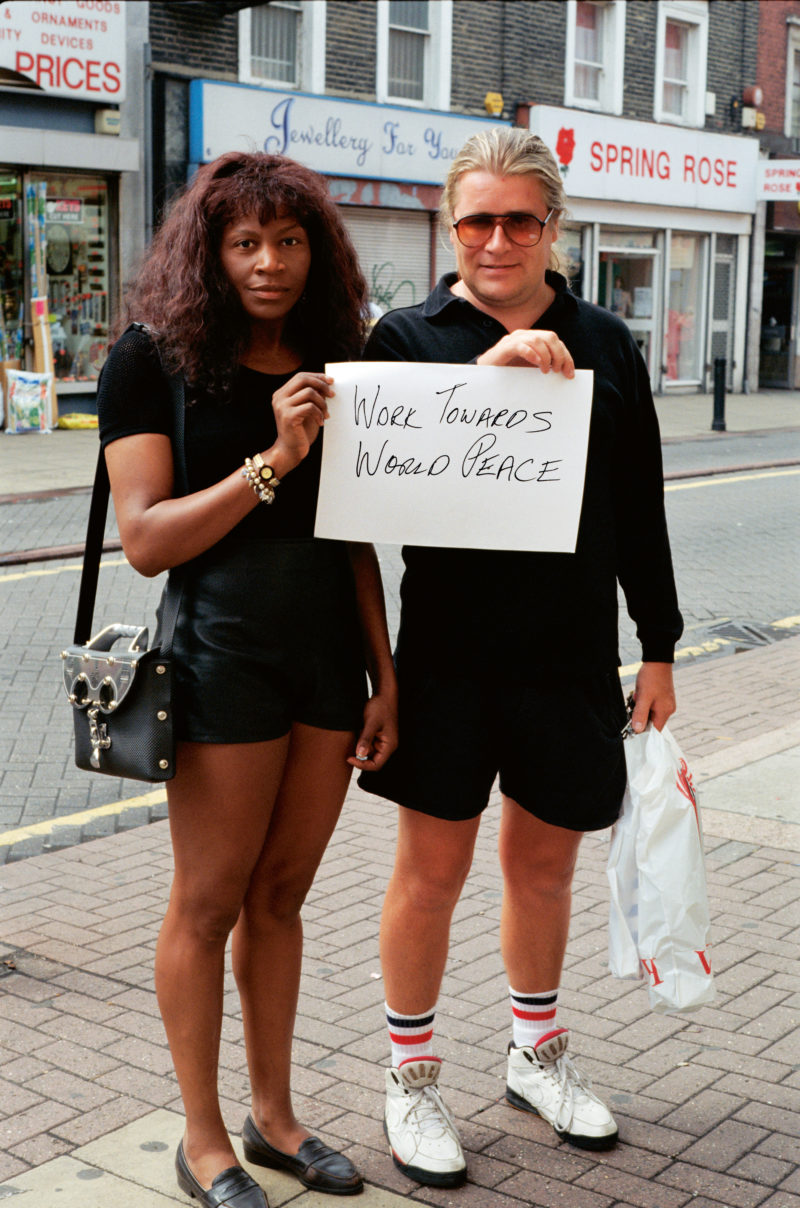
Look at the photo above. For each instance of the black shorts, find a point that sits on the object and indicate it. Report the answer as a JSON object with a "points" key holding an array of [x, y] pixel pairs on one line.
{"points": [[268, 635], [556, 743]]}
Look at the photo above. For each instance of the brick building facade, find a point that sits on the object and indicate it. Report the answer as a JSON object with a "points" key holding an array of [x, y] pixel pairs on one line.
{"points": [[660, 173]]}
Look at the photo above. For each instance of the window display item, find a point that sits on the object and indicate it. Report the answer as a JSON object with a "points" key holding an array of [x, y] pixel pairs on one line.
{"points": [[28, 403]]}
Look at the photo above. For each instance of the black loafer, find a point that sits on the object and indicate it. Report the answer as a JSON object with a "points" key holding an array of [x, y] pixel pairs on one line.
{"points": [[233, 1188], [315, 1164]]}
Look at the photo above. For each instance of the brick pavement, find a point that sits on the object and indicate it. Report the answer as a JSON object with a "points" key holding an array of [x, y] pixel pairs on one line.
{"points": [[708, 1104]]}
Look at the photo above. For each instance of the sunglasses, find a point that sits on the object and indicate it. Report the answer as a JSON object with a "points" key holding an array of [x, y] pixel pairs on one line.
{"points": [[526, 230]]}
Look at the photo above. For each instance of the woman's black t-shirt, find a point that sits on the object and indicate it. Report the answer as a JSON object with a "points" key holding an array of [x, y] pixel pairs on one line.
{"points": [[134, 398]]}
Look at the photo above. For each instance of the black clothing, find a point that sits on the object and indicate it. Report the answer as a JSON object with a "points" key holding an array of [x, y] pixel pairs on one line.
{"points": [[555, 741], [268, 631], [268, 634], [541, 610], [135, 399]]}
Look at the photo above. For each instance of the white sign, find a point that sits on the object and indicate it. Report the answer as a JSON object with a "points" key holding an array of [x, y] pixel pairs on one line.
{"points": [[612, 159], [778, 180], [72, 48], [335, 137], [454, 455]]}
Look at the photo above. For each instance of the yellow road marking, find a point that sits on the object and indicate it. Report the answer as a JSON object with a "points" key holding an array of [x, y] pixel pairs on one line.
{"points": [[709, 647], [80, 819], [722, 479], [58, 570]]}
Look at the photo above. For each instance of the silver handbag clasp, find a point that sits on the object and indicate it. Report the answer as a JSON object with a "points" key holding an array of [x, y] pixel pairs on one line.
{"points": [[97, 678]]}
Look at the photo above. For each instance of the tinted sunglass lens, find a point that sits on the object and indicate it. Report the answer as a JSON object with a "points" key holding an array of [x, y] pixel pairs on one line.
{"points": [[475, 231], [523, 229]]}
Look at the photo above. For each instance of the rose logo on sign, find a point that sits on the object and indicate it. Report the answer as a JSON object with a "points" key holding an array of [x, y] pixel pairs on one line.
{"points": [[565, 148]]}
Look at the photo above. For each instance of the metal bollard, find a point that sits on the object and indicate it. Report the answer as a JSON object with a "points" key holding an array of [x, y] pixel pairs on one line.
{"points": [[718, 422]]}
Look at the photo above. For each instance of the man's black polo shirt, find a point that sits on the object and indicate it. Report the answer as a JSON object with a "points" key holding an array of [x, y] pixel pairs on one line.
{"points": [[542, 610]]}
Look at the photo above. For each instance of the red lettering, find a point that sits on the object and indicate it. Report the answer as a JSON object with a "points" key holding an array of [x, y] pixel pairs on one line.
{"points": [[92, 76], [612, 155], [704, 961], [596, 152], [688, 168], [704, 170], [111, 76], [50, 71], [650, 968], [662, 165], [76, 81], [647, 161], [627, 158], [719, 177], [24, 62], [45, 67], [730, 179]]}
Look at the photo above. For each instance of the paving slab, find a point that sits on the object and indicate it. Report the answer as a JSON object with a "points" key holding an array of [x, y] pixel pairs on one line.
{"points": [[133, 1167]]}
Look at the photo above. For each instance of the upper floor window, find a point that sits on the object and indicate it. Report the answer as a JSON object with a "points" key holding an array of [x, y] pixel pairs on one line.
{"points": [[282, 43], [681, 54], [595, 54], [792, 116], [414, 52]]}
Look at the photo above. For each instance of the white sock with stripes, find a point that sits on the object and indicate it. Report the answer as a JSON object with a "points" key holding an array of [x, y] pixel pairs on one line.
{"points": [[533, 1016], [411, 1036]]}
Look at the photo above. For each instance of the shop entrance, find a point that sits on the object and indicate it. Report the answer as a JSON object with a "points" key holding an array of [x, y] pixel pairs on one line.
{"points": [[626, 285], [776, 326]]}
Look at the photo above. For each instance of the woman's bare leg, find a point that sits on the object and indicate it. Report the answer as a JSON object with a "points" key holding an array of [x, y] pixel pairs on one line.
{"points": [[220, 804], [268, 938]]}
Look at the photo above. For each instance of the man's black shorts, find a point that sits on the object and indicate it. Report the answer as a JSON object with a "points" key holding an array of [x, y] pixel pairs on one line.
{"points": [[556, 743]]}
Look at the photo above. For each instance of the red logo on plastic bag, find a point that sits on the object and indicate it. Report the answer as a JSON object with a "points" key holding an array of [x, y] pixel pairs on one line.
{"points": [[705, 958], [651, 971], [685, 786]]}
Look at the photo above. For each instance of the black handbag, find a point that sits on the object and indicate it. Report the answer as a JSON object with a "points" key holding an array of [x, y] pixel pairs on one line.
{"points": [[121, 695]]}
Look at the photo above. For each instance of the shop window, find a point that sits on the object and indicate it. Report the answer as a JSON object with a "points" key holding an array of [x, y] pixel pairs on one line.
{"points": [[681, 57], [627, 284], [684, 326], [282, 43], [414, 52], [792, 126], [76, 273], [12, 300], [722, 303], [595, 53], [569, 250]]}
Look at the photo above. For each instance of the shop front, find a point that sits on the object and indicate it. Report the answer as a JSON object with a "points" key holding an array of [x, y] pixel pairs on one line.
{"points": [[61, 164], [658, 230], [385, 165]]}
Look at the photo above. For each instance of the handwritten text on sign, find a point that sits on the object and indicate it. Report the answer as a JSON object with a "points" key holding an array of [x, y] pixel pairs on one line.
{"points": [[454, 455]]}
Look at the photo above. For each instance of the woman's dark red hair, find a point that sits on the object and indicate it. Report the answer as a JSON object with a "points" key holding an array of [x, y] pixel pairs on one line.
{"points": [[184, 295]]}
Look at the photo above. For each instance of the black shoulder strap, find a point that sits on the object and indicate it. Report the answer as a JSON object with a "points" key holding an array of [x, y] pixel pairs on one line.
{"points": [[95, 532]]}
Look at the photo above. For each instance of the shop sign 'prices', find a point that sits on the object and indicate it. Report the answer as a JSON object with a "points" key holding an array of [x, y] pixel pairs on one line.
{"points": [[614, 159], [69, 48]]}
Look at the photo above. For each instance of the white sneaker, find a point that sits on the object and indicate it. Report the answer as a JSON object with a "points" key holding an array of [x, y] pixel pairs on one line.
{"points": [[542, 1079], [420, 1129]]}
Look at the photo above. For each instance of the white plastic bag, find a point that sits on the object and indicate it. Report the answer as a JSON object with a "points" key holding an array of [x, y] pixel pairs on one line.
{"points": [[659, 921]]}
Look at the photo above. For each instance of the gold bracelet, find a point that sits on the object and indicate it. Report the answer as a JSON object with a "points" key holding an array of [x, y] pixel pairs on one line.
{"points": [[264, 490]]}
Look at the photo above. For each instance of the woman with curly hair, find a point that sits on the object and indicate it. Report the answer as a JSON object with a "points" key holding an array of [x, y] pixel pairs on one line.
{"points": [[251, 284]]}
